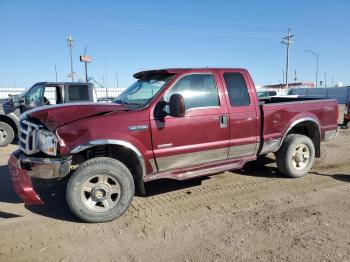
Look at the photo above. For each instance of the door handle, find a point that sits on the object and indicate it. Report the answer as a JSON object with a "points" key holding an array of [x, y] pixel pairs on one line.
{"points": [[223, 121]]}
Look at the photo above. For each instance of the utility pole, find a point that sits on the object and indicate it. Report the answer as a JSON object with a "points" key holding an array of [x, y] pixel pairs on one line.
{"points": [[70, 41], [325, 79], [86, 75], [106, 78], [287, 41], [116, 75], [295, 76], [332, 80], [106, 73], [86, 59], [56, 72]]}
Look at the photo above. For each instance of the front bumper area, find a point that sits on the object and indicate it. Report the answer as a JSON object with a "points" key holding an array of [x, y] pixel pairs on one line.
{"points": [[23, 168]]}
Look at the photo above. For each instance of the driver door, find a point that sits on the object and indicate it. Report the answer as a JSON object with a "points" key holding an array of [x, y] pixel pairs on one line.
{"points": [[202, 135]]}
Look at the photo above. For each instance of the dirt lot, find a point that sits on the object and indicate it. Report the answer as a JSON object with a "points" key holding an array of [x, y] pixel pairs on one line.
{"points": [[251, 214]]}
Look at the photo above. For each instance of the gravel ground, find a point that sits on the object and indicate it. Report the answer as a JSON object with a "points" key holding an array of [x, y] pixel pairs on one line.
{"points": [[245, 215]]}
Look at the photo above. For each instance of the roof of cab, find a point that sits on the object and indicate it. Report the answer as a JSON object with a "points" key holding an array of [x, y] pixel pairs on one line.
{"points": [[179, 70], [63, 83]]}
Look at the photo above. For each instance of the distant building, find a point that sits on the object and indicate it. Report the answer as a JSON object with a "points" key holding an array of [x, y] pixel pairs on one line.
{"points": [[340, 84], [291, 85]]}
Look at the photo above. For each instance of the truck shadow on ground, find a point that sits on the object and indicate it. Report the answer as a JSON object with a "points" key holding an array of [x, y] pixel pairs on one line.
{"points": [[260, 168], [7, 195], [340, 177], [255, 169], [55, 203], [8, 215], [54, 194], [163, 186]]}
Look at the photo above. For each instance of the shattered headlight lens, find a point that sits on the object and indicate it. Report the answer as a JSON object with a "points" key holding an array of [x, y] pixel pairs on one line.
{"points": [[47, 142]]}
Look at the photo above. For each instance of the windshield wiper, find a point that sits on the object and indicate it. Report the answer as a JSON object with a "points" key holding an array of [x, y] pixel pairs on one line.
{"points": [[119, 101]]}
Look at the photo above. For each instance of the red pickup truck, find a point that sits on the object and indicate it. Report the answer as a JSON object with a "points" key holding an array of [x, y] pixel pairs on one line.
{"points": [[171, 123]]}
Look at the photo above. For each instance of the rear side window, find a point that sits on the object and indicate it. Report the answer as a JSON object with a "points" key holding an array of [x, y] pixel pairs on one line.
{"points": [[198, 90], [237, 89], [50, 95], [78, 93]]}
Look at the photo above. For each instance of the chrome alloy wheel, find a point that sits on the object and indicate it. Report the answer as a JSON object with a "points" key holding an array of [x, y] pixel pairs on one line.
{"points": [[100, 193], [301, 157], [3, 135]]}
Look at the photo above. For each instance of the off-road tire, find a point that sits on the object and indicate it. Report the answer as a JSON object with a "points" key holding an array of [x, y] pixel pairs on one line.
{"points": [[93, 167], [8, 131], [284, 156]]}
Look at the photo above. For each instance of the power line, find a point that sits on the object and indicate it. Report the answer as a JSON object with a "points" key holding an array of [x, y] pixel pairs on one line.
{"points": [[151, 13], [187, 30]]}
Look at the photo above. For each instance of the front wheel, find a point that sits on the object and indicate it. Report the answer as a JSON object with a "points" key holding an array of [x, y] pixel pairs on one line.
{"points": [[100, 190], [296, 156], [7, 134]]}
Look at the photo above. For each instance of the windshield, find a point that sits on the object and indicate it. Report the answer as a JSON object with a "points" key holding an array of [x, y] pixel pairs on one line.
{"points": [[261, 93], [143, 91], [23, 94]]}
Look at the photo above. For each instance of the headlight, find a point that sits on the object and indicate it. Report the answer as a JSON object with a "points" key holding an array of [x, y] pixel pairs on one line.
{"points": [[47, 142]]}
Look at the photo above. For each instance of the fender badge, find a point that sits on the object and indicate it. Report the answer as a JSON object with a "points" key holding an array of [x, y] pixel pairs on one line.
{"points": [[136, 128]]}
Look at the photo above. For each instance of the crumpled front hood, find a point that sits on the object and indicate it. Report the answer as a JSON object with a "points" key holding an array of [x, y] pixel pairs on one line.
{"points": [[54, 116]]}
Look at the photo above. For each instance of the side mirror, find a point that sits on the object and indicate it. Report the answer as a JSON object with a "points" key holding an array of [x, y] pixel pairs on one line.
{"points": [[176, 105], [15, 100]]}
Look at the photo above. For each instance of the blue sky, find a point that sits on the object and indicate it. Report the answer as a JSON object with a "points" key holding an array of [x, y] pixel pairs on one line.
{"points": [[130, 36]]}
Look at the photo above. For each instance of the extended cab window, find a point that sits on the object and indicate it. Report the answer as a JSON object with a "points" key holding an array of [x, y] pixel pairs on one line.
{"points": [[198, 90], [78, 93], [237, 89], [50, 95]]}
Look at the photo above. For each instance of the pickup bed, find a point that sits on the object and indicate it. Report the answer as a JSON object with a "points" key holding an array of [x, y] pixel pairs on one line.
{"points": [[171, 123], [38, 95]]}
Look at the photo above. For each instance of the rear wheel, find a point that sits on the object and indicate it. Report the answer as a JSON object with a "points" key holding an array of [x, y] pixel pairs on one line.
{"points": [[296, 156], [7, 134], [100, 190]]}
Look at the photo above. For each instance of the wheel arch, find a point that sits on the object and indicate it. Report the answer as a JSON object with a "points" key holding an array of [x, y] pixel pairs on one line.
{"points": [[309, 127], [121, 150], [10, 121]]}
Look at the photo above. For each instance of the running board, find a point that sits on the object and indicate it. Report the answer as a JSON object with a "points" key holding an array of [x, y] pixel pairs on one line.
{"points": [[202, 170]]}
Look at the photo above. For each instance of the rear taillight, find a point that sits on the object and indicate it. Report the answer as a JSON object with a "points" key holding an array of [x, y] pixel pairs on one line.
{"points": [[337, 110]]}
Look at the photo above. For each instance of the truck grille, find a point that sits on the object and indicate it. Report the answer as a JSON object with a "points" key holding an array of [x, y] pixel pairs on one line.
{"points": [[28, 137]]}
